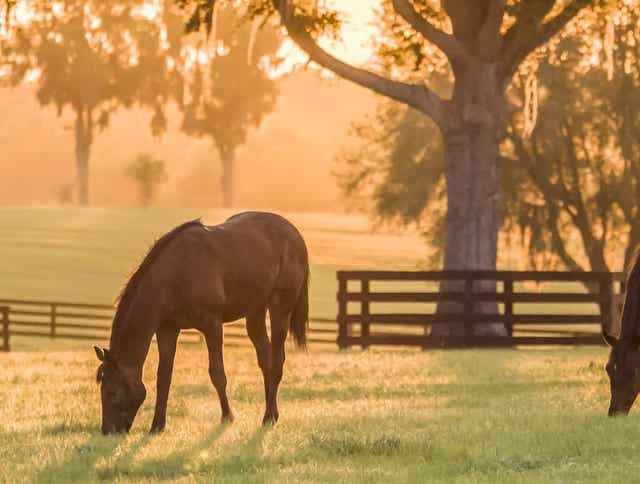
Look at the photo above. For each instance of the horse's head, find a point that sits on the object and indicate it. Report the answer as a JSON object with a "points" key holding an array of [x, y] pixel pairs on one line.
{"points": [[623, 369], [121, 395]]}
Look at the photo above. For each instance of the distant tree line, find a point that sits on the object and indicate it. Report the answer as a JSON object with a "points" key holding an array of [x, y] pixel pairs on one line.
{"points": [[94, 57]]}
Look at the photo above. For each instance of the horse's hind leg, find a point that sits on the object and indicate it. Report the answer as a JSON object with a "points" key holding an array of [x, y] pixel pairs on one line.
{"points": [[280, 320], [257, 331], [212, 330], [167, 340]]}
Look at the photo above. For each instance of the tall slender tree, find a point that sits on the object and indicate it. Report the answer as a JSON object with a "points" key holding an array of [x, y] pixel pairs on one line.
{"points": [[231, 91]]}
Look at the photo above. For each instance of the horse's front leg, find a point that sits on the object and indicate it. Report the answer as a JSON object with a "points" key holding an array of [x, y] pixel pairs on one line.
{"points": [[212, 331], [167, 340]]}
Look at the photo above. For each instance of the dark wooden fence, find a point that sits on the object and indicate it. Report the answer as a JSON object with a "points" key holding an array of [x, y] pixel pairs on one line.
{"points": [[372, 314], [92, 322], [594, 298]]}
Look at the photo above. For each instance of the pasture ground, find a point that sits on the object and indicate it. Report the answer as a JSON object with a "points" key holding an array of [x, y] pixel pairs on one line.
{"points": [[376, 416]]}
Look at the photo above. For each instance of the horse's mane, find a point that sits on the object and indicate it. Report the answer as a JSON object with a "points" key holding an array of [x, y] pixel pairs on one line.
{"points": [[129, 289]]}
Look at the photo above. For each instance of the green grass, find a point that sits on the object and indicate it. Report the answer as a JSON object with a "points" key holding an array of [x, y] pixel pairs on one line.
{"points": [[85, 255], [377, 416]]}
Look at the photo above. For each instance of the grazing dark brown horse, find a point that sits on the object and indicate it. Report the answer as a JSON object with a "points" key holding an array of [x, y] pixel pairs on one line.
{"points": [[200, 277], [623, 366]]}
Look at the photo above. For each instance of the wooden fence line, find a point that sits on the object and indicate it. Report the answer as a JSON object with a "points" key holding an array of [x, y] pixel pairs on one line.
{"points": [[4, 314], [81, 321], [472, 292], [605, 291]]}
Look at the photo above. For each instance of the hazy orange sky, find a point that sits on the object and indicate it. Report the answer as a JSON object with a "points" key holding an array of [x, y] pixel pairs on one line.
{"points": [[357, 30]]}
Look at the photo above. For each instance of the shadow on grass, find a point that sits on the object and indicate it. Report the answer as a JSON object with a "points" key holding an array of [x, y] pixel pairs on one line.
{"points": [[80, 463], [201, 460], [171, 466]]}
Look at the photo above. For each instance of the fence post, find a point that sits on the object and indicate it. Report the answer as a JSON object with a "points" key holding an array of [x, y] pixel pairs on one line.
{"points": [[342, 312], [468, 305], [4, 312], [364, 322], [508, 305], [54, 311], [606, 301]]}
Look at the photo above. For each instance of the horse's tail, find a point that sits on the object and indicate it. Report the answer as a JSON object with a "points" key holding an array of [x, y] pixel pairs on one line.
{"points": [[300, 315]]}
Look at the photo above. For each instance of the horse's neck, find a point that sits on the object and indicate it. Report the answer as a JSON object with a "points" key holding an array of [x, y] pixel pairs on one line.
{"points": [[132, 335]]}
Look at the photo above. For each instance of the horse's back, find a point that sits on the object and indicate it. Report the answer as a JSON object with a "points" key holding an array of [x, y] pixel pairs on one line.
{"points": [[244, 260]]}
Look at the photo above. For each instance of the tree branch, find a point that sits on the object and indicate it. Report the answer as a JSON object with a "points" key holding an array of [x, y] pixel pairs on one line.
{"points": [[447, 43], [417, 96], [523, 38], [489, 37]]}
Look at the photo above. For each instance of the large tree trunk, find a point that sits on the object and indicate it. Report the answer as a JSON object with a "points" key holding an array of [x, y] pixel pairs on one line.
{"points": [[474, 194], [228, 189], [84, 138]]}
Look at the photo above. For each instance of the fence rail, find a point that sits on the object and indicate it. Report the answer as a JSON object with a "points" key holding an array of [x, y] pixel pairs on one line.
{"points": [[92, 322], [473, 298], [386, 316]]}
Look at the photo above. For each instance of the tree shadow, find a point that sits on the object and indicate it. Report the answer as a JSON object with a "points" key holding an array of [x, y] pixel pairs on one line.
{"points": [[81, 461]]}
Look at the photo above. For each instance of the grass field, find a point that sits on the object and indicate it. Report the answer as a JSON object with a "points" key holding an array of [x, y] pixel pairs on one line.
{"points": [[377, 416], [85, 255]]}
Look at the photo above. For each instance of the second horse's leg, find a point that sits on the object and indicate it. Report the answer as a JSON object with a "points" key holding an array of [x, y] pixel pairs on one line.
{"points": [[213, 335]]}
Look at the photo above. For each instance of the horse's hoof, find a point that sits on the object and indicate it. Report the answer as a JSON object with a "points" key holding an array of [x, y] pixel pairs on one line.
{"points": [[269, 421], [156, 429], [227, 419]]}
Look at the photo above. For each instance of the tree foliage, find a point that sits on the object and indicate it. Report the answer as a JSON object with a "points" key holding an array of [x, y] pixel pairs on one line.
{"points": [[573, 187], [148, 172], [230, 90]]}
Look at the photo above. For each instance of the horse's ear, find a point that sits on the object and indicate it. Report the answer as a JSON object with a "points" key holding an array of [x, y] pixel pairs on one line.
{"points": [[610, 340], [100, 353]]}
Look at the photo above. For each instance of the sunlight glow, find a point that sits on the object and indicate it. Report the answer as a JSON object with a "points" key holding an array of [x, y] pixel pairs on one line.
{"points": [[354, 46], [150, 10]]}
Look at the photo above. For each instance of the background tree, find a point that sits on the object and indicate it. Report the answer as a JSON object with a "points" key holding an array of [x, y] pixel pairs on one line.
{"points": [[92, 57], [482, 43], [231, 91], [148, 172], [572, 184]]}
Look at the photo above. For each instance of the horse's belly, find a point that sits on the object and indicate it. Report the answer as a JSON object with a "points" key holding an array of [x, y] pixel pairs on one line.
{"points": [[230, 317]]}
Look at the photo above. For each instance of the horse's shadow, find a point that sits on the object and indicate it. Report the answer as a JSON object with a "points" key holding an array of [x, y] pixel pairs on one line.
{"points": [[239, 458], [82, 459]]}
